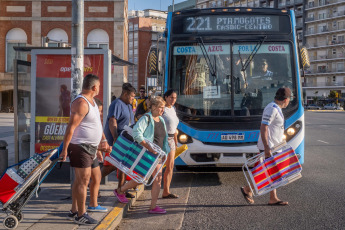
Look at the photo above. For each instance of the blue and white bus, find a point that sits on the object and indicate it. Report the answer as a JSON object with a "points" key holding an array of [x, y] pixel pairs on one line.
{"points": [[226, 65]]}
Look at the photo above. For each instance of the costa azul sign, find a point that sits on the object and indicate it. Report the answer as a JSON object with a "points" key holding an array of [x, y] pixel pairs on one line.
{"points": [[196, 50], [225, 49]]}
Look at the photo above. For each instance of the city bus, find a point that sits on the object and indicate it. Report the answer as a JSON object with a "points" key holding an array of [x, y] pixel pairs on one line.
{"points": [[226, 65]]}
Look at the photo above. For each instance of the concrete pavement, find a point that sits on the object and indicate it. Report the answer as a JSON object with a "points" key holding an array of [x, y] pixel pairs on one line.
{"points": [[49, 209]]}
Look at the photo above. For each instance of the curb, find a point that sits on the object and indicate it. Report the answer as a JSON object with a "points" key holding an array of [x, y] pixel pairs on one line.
{"points": [[114, 217]]}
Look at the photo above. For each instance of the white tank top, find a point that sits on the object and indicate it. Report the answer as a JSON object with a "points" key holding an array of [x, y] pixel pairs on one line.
{"points": [[90, 130]]}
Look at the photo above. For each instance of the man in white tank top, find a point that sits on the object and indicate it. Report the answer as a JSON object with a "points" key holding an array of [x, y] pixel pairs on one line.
{"points": [[84, 135]]}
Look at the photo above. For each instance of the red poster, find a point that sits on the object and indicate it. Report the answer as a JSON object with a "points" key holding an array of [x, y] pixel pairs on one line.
{"points": [[53, 96]]}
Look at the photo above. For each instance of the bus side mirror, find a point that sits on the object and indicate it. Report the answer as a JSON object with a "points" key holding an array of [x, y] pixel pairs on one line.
{"points": [[153, 62], [305, 61]]}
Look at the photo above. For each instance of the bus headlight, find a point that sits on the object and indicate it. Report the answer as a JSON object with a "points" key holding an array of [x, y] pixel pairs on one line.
{"points": [[183, 138], [292, 130]]}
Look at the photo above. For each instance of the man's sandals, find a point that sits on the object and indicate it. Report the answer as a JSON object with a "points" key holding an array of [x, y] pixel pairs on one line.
{"points": [[279, 203], [170, 196], [248, 198]]}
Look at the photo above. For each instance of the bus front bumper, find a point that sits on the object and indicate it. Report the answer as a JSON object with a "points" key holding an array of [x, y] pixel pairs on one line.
{"points": [[199, 153]]}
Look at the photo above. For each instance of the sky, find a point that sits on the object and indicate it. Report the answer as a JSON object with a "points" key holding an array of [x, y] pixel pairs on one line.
{"points": [[150, 4]]}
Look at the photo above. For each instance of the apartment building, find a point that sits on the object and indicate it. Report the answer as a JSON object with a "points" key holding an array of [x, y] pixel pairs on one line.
{"points": [[321, 27], [325, 40], [25, 22], [144, 29]]}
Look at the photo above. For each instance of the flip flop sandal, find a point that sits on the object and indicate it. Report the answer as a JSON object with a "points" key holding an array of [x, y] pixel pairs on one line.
{"points": [[279, 203], [128, 195], [248, 198], [170, 196]]}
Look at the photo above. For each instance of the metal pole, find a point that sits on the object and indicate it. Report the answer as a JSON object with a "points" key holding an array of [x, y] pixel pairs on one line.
{"points": [[173, 5], [77, 54], [77, 50]]}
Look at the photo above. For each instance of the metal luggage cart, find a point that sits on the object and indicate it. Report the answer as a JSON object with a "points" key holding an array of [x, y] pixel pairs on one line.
{"points": [[135, 160], [264, 175], [26, 188]]}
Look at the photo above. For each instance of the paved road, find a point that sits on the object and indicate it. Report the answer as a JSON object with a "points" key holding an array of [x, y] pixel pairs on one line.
{"points": [[211, 199]]}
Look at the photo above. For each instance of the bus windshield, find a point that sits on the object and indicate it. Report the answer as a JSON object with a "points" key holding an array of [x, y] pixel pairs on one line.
{"points": [[207, 92]]}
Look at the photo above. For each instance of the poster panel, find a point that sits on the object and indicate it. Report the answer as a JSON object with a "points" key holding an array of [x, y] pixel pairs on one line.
{"points": [[53, 95]]}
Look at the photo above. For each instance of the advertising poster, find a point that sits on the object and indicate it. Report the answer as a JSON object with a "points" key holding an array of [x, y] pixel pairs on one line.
{"points": [[53, 95]]}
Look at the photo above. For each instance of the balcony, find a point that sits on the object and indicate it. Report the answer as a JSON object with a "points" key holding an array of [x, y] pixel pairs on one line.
{"points": [[325, 44], [326, 30], [326, 17], [299, 25], [298, 13], [325, 71], [327, 57], [298, 2], [324, 84], [314, 5]]}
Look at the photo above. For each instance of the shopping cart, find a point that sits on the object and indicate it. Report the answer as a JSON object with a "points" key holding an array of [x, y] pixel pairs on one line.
{"points": [[135, 160], [264, 175], [18, 186]]}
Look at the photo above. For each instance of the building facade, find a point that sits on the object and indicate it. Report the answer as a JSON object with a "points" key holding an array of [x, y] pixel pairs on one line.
{"points": [[26, 23], [325, 40], [321, 28], [144, 29]]}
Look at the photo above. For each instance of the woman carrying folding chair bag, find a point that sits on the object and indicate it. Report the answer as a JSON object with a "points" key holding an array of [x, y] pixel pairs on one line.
{"points": [[152, 128]]}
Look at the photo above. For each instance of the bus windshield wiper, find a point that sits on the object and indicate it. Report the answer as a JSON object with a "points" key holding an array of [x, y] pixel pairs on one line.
{"points": [[251, 56], [213, 69]]}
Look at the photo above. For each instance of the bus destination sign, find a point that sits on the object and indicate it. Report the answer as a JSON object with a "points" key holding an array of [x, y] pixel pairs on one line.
{"points": [[231, 23]]}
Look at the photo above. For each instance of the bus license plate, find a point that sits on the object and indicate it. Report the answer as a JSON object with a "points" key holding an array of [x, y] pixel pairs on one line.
{"points": [[233, 137]]}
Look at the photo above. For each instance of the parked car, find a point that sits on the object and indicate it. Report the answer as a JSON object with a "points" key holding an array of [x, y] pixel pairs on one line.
{"points": [[313, 106], [332, 107]]}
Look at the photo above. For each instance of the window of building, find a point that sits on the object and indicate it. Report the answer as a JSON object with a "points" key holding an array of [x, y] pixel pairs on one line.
{"points": [[135, 51], [340, 67], [14, 37], [341, 39], [310, 29], [334, 51], [334, 24], [136, 35], [311, 4], [136, 26], [57, 36], [130, 44], [135, 43], [98, 38]]}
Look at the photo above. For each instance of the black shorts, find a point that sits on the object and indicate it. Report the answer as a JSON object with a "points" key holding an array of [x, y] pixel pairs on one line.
{"points": [[79, 157], [95, 163]]}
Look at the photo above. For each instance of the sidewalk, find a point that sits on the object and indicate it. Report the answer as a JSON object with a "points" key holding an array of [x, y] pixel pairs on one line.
{"points": [[49, 210]]}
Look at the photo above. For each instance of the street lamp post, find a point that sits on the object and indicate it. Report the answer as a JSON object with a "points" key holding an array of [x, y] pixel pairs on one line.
{"points": [[77, 49]]}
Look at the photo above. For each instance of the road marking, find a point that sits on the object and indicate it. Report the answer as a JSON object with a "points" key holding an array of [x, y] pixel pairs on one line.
{"points": [[323, 141]]}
